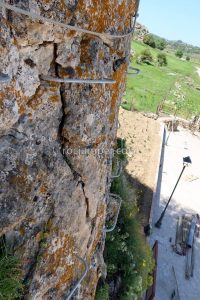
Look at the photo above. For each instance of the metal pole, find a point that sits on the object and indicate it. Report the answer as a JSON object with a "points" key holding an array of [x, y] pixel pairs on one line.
{"points": [[159, 222]]}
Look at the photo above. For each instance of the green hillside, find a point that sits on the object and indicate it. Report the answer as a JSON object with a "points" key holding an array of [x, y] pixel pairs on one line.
{"points": [[189, 50], [178, 83]]}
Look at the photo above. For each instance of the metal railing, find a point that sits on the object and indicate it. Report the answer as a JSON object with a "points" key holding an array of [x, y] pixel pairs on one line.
{"points": [[4, 78], [63, 25], [119, 199], [86, 269], [74, 80]]}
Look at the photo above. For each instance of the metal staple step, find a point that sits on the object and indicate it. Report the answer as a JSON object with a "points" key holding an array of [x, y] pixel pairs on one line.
{"points": [[119, 199], [119, 172], [76, 80], [86, 269], [137, 71]]}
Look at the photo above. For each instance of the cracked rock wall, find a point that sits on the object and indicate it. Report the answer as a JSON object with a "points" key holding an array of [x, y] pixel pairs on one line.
{"points": [[55, 138]]}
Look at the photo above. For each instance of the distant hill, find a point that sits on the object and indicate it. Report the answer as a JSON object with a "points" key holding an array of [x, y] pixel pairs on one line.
{"points": [[190, 50], [172, 46]]}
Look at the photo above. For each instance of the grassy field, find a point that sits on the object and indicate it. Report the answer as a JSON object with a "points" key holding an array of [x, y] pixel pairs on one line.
{"points": [[177, 83]]}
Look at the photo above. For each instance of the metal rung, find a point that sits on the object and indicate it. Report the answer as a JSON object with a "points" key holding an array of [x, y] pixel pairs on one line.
{"points": [[63, 25], [119, 164], [86, 269], [73, 80], [137, 71], [136, 13], [117, 197], [4, 78]]}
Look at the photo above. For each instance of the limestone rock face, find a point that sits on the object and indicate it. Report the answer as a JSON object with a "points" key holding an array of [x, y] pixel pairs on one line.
{"points": [[140, 32], [56, 138]]}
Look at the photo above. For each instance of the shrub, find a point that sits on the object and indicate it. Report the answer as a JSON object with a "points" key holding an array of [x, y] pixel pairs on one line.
{"points": [[149, 40], [11, 286], [102, 292], [162, 59], [187, 58], [127, 253], [160, 44], [146, 56], [179, 53]]}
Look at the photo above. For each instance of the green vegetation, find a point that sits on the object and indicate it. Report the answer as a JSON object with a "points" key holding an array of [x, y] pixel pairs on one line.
{"points": [[102, 292], [155, 84], [192, 51], [145, 57], [127, 253], [160, 43], [11, 286], [179, 53], [162, 59], [149, 40], [154, 41]]}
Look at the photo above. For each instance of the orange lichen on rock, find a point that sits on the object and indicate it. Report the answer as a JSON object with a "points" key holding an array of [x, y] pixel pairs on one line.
{"points": [[53, 86], [102, 15], [54, 98], [99, 140], [35, 100], [100, 219], [21, 182], [52, 91], [101, 54], [58, 258], [43, 189], [21, 109], [97, 14], [85, 53], [89, 285], [83, 73], [16, 94]]}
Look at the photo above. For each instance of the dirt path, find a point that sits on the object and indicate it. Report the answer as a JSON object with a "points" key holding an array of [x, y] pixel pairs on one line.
{"points": [[185, 201], [143, 143]]}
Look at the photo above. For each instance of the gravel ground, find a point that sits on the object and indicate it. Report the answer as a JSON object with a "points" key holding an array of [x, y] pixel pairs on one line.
{"points": [[186, 199]]}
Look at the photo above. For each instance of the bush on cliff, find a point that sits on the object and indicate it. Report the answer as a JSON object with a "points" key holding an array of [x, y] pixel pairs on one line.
{"points": [[11, 286], [127, 254]]}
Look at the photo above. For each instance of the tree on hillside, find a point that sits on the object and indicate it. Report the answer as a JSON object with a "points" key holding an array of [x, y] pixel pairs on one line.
{"points": [[160, 44], [162, 59], [149, 40], [179, 53], [146, 57]]}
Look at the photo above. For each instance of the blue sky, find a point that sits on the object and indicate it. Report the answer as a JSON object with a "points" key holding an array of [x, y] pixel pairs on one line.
{"points": [[172, 19]]}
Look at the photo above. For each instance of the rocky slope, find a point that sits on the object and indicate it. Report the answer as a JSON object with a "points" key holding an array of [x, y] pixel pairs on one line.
{"points": [[55, 138], [140, 32]]}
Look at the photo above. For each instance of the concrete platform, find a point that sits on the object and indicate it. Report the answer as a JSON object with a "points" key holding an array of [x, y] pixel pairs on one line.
{"points": [[186, 199]]}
